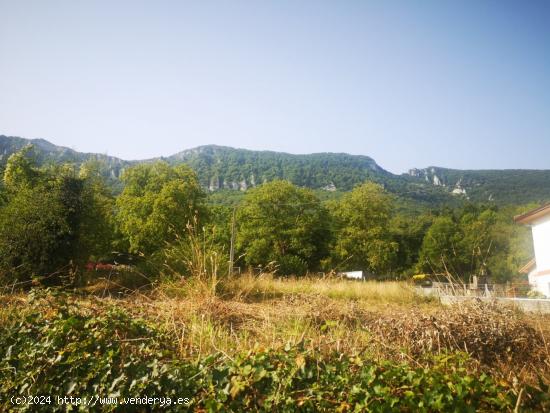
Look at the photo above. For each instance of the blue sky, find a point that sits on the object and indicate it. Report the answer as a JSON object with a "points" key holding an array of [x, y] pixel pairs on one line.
{"points": [[462, 84]]}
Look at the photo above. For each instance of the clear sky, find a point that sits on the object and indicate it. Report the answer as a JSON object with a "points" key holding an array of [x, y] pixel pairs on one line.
{"points": [[462, 84]]}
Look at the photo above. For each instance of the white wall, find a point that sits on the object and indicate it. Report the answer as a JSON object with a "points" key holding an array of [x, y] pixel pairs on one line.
{"points": [[541, 239], [358, 275], [542, 284]]}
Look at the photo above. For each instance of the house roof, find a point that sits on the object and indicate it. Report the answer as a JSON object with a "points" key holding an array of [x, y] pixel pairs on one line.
{"points": [[527, 268], [532, 215]]}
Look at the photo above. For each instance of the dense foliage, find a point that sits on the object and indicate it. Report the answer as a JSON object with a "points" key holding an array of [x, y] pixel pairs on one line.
{"points": [[362, 220], [46, 153], [475, 241], [508, 186], [56, 218], [53, 219], [77, 351], [222, 167], [157, 203], [283, 224]]}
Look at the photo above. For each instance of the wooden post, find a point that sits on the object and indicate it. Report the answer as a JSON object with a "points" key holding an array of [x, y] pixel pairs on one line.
{"points": [[232, 245]]}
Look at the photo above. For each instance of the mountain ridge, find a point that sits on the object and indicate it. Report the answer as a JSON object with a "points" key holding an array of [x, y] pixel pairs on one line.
{"points": [[224, 167]]}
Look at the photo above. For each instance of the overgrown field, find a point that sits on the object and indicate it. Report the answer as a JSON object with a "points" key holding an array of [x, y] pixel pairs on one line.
{"points": [[266, 344]]}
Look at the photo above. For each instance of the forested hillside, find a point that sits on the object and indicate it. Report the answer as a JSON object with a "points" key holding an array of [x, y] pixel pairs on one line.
{"points": [[55, 219], [229, 168], [507, 186], [47, 153], [221, 167], [223, 170]]}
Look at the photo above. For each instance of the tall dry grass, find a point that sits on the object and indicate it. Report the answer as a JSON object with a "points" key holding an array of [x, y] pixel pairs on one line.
{"points": [[268, 311], [249, 287], [383, 319], [196, 261]]}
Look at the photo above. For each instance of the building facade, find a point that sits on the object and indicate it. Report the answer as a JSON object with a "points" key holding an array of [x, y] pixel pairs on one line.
{"points": [[538, 270]]}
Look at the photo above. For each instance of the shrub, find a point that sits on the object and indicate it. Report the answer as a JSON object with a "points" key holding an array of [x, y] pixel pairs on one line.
{"points": [[69, 352]]}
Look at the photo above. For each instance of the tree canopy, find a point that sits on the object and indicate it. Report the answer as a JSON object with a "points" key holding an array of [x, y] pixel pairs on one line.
{"points": [[48, 225], [475, 240], [364, 240], [284, 224], [157, 203]]}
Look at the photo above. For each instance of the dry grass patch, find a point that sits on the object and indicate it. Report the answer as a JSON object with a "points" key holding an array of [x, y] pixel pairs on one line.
{"points": [[386, 320], [257, 288], [271, 313]]}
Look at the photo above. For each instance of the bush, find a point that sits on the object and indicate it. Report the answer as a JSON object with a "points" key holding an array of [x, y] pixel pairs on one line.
{"points": [[291, 265], [70, 352]]}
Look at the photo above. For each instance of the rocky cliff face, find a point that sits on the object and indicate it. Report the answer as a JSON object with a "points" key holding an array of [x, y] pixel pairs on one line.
{"points": [[438, 177], [428, 174]]}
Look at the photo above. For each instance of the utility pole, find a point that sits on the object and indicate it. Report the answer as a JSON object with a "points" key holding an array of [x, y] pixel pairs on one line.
{"points": [[232, 246]]}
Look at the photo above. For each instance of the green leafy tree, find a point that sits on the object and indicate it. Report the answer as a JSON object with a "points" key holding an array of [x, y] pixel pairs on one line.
{"points": [[408, 232], [506, 247], [3, 195], [48, 223], [39, 226], [157, 203], [441, 251], [20, 169], [362, 224], [475, 240], [97, 226], [281, 223], [219, 224], [34, 235]]}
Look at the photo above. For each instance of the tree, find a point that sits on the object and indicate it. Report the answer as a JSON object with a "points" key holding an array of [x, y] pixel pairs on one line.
{"points": [[3, 194], [362, 224], [476, 240], [408, 232], [39, 225], [49, 222], [441, 251], [21, 169], [157, 203], [282, 223], [34, 235], [97, 226]]}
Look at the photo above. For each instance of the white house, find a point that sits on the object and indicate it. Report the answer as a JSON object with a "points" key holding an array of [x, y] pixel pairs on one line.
{"points": [[538, 268]]}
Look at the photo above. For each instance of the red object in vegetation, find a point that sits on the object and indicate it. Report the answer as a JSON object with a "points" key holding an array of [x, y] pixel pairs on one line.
{"points": [[98, 266]]}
